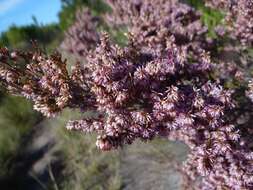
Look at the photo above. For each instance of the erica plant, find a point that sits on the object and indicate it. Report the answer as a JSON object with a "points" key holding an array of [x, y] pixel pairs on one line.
{"points": [[170, 80]]}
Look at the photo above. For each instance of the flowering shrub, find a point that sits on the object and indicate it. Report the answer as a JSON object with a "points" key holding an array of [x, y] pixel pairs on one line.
{"points": [[163, 83], [238, 17]]}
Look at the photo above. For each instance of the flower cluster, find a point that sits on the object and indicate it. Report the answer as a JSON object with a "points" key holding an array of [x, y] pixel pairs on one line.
{"points": [[42, 79], [153, 22], [146, 94], [239, 16], [141, 92], [82, 36], [161, 84]]}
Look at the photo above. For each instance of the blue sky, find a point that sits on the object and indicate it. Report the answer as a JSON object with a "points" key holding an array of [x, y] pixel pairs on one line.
{"points": [[20, 12]]}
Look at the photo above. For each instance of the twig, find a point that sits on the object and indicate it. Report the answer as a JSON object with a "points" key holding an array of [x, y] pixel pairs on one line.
{"points": [[52, 176], [38, 181]]}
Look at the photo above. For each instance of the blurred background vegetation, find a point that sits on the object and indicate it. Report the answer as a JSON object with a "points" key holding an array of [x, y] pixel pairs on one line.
{"points": [[37, 153]]}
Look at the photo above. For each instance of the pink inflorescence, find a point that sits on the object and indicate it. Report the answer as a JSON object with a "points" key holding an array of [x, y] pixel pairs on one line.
{"points": [[239, 16], [163, 83]]}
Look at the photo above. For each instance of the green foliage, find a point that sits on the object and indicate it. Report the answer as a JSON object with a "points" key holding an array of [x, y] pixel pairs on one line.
{"points": [[69, 8], [16, 121], [20, 37], [85, 166], [210, 17]]}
